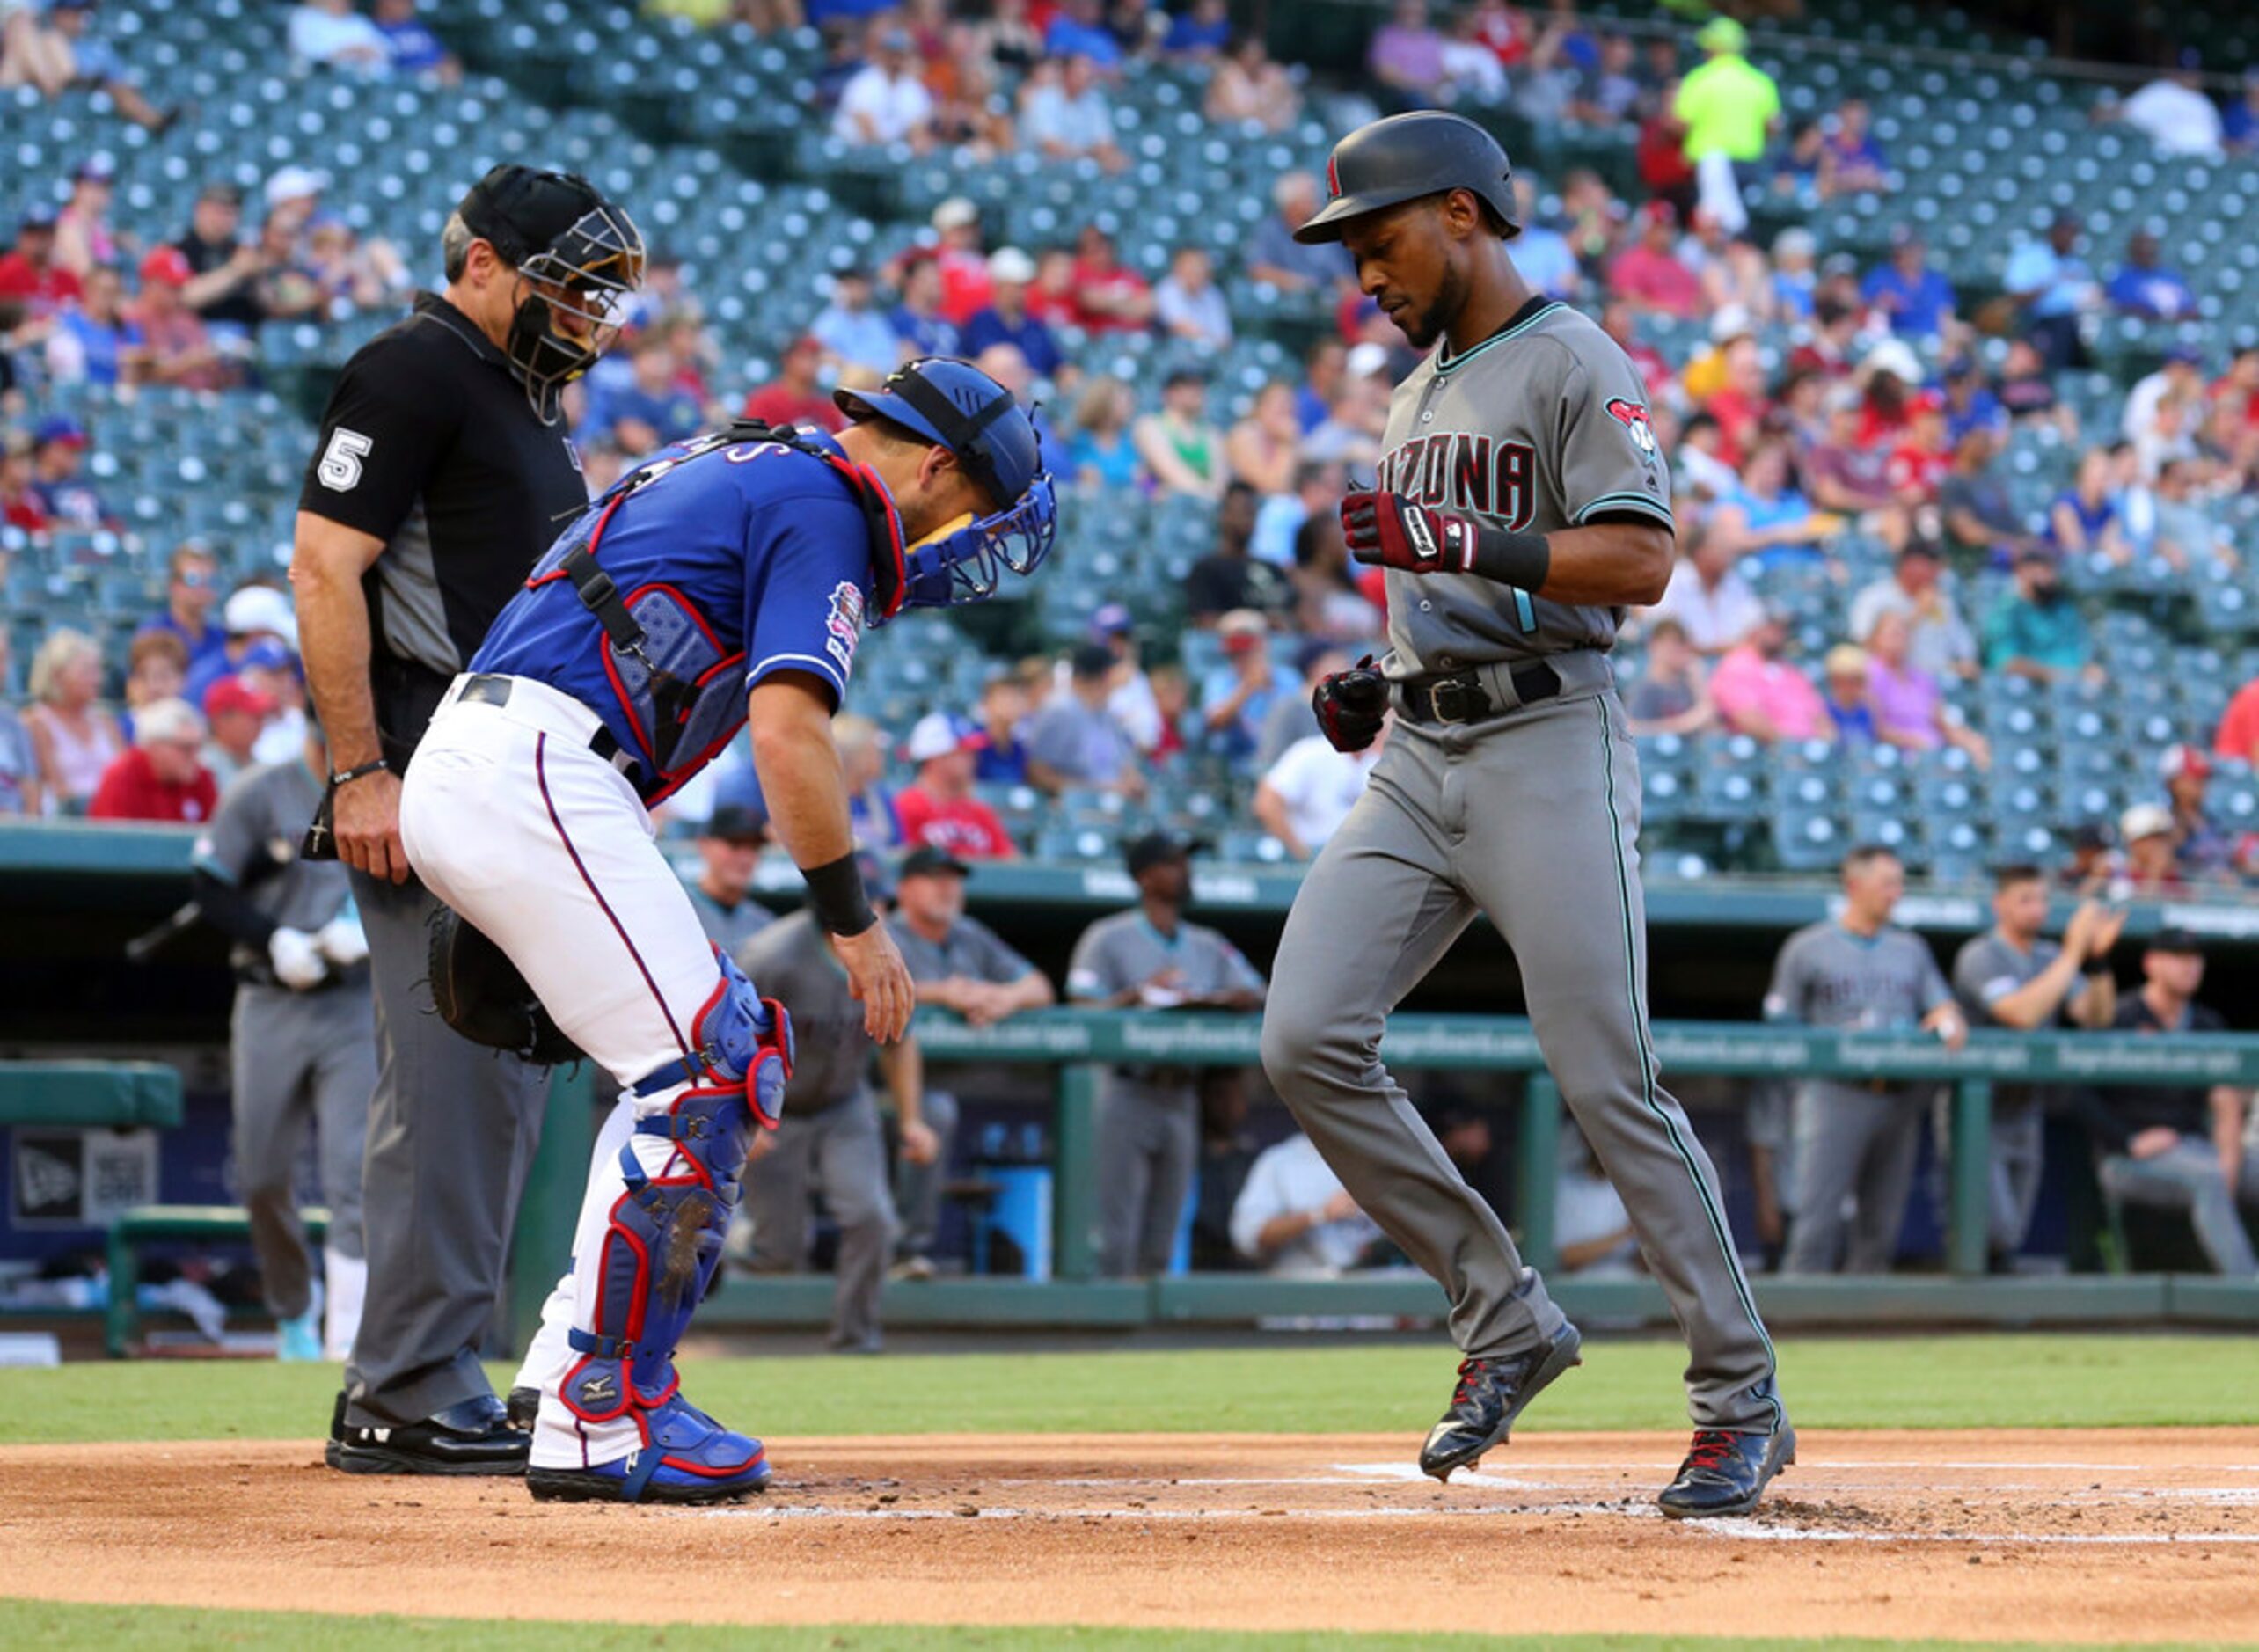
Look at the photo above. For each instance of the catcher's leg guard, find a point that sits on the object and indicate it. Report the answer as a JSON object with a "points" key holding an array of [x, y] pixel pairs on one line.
{"points": [[678, 1182]]}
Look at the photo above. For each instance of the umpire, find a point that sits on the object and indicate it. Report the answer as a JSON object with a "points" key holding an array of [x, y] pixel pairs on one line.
{"points": [[442, 473]]}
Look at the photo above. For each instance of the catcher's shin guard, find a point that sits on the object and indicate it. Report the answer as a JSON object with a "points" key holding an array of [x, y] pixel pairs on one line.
{"points": [[659, 1252]]}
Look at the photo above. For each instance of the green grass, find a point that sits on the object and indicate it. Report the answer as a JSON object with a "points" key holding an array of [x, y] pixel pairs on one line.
{"points": [[2028, 1381], [194, 1629]]}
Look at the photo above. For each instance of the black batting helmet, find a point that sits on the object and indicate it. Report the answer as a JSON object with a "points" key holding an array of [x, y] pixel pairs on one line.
{"points": [[1406, 156]]}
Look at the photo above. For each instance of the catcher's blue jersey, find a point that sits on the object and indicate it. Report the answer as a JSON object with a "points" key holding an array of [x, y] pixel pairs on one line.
{"points": [[744, 561]]}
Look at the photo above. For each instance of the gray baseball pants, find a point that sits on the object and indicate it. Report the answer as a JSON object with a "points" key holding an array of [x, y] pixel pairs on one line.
{"points": [[2187, 1177], [1858, 1146], [1148, 1137], [1531, 818], [299, 1058], [840, 1152], [451, 1133], [2015, 1165], [918, 1188]]}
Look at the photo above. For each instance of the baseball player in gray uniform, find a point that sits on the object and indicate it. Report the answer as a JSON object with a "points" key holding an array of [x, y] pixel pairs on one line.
{"points": [[830, 1140], [959, 963], [1148, 1122], [302, 1042], [2012, 978], [1858, 1141], [729, 848], [1521, 505]]}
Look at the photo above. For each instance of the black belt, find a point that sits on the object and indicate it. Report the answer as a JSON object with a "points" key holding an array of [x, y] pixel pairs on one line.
{"points": [[487, 688], [1461, 696]]}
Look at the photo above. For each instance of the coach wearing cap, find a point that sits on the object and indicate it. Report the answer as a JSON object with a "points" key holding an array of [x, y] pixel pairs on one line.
{"points": [[1148, 1120], [442, 473]]}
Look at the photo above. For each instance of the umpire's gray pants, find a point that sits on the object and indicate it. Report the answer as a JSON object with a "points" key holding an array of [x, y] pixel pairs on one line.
{"points": [[1148, 1143], [918, 1188], [1531, 818], [2187, 1177], [1858, 1147], [451, 1133], [840, 1152], [299, 1057]]}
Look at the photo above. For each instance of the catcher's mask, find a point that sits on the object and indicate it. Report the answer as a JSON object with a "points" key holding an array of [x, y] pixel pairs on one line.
{"points": [[977, 420], [579, 257]]}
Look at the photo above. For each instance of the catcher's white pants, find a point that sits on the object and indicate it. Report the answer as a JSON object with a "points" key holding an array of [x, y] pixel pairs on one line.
{"points": [[512, 820]]}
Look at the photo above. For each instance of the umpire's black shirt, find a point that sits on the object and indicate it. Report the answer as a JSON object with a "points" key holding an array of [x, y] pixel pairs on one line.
{"points": [[429, 445]]}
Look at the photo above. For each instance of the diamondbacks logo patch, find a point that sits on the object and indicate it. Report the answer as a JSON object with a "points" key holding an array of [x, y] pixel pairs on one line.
{"points": [[843, 626], [1634, 417]]}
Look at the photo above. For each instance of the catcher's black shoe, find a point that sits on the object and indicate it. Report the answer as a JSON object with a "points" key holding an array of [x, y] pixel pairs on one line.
{"points": [[1727, 1473], [1491, 1393], [472, 1437], [524, 1406]]}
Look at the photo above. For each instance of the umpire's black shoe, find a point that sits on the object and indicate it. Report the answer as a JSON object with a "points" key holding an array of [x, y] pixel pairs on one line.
{"points": [[524, 1406], [1491, 1393], [472, 1437], [1726, 1473]]}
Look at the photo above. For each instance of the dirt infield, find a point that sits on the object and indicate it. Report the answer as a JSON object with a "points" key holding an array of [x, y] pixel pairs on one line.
{"points": [[2055, 1536]]}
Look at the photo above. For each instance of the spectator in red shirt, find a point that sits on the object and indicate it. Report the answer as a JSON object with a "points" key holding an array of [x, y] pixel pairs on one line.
{"points": [[1620, 322], [796, 398], [20, 506], [2238, 739], [1647, 274], [1051, 297], [966, 285], [30, 271], [938, 810], [1740, 405], [159, 777], [180, 344], [1921, 460], [1110, 296]]}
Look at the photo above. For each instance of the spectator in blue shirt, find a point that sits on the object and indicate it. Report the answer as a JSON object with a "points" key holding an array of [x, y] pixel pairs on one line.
{"points": [[1323, 370], [416, 49], [191, 590], [1917, 300], [1969, 403], [1201, 30], [1275, 256], [1004, 708], [650, 410], [2239, 122], [2054, 287], [1078, 31], [851, 331], [919, 327], [1006, 319], [94, 342], [1541, 252], [1850, 158], [2143, 287]]}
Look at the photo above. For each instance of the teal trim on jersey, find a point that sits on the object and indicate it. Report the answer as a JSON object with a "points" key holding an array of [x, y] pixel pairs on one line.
{"points": [[1523, 614], [1445, 360], [1628, 502], [1648, 1064]]}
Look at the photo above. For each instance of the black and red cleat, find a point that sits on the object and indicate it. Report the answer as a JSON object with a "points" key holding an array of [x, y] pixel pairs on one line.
{"points": [[1490, 1394], [1726, 1472]]}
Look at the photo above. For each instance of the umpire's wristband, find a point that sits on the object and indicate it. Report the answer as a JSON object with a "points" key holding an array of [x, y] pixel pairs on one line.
{"points": [[836, 895], [1522, 560]]}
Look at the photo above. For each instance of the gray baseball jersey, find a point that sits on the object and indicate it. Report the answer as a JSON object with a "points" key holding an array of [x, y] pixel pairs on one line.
{"points": [[1827, 976], [1118, 953], [1989, 967], [259, 820], [1542, 426], [971, 948], [728, 927], [791, 961], [1985, 971]]}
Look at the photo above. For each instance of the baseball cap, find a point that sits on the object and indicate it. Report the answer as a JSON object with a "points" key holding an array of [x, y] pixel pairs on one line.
{"points": [[1722, 34], [1731, 322], [931, 861], [165, 266], [1242, 629], [2173, 937], [294, 183], [938, 734], [955, 213], [59, 428], [2144, 820], [39, 215], [268, 654], [1111, 620], [260, 608], [1010, 264], [735, 823], [1157, 849], [1920, 547], [2183, 356], [1091, 659], [1659, 211], [2181, 759], [233, 694]]}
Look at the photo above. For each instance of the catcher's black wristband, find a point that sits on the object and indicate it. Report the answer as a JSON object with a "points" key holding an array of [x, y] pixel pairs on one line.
{"points": [[1522, 560], [836, 895]]}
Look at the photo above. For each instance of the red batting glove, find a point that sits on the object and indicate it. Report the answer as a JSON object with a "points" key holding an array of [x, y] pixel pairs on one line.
{"points": [[1392, 531]]}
